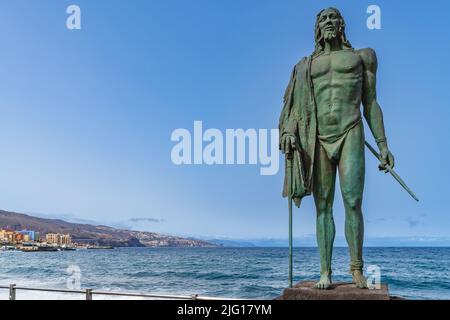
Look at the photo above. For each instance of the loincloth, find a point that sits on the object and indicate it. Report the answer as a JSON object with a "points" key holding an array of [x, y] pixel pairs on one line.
{"points": [[332, 144]]}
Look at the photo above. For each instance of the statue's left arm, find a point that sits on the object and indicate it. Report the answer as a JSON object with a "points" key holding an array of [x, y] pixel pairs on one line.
{"points": [[372, 110]]}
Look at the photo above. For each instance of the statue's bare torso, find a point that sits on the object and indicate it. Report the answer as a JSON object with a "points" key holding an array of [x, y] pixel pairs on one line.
{"points": [[338, 80]]}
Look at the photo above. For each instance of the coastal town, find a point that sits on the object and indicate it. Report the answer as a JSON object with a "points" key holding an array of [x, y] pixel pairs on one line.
{"points": [[33, 241], [20, 231]]}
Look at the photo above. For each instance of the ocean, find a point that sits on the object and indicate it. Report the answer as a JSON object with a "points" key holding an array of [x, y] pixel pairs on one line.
{"points": [[248, 273]]}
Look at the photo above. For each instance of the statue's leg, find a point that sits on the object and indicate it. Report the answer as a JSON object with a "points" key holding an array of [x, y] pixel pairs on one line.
{"points": [[351, 177], [323, 190]]}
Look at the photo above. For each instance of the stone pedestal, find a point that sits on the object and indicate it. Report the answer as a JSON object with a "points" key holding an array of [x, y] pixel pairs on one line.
{"points": [[339, 291]]}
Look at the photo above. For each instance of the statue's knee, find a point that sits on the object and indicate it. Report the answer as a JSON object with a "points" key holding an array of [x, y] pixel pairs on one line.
{"points": [[352, 202], [324, 208]]}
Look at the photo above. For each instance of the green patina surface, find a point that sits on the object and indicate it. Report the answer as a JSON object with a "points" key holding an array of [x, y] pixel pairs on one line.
{"points": [[322, 134]]}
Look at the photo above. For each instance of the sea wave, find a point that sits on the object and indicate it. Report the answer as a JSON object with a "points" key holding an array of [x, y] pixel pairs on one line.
{"points": [[261, 273]]}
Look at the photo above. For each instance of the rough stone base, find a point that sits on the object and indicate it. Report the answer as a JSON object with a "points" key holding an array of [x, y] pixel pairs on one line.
{"points": [[339, 291]]}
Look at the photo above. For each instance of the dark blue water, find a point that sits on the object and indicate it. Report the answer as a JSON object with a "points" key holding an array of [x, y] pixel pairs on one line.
{"points": [[415, 273]]}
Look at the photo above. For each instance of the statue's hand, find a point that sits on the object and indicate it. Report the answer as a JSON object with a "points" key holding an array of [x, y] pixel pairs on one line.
{"points": [[387, 158], [288, 144]]}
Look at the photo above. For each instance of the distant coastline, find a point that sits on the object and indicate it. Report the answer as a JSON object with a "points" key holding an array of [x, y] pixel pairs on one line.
{"points": [[87, 234]]}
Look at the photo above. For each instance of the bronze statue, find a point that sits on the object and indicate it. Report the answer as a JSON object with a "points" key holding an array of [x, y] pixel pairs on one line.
{"points": [[321, 132]]}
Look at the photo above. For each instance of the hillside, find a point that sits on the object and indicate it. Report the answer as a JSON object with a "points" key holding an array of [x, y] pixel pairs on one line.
{"points": [[100, 235]]}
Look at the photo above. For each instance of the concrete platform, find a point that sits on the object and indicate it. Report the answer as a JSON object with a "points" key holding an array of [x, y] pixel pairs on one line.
{"points": [[339, 291]]}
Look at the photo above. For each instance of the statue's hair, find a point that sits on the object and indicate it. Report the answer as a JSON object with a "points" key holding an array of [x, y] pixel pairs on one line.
{"points": [[320, 42]]}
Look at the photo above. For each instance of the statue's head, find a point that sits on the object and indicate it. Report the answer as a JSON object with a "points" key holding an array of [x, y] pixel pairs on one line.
{"points": [[330, 25]]}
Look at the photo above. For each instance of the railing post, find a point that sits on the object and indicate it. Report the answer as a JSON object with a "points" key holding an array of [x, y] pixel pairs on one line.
{"points": [[12, 292], [88, 294]]}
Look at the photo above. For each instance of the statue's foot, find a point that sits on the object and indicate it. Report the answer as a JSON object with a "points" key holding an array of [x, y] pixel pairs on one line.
{"points": [[359, 280], [324, 282]]}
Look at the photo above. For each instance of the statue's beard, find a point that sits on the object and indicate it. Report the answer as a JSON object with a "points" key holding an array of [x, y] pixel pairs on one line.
{"points": [[330, 35]]}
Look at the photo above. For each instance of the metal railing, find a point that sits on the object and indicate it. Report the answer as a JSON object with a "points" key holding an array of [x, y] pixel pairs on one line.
{"points": [[89, 293]]}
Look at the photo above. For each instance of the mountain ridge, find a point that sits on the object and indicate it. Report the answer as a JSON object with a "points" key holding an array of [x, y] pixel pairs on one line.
{"points": [[96, 234]]}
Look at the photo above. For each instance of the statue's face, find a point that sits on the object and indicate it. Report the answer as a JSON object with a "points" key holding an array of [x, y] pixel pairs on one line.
{"points": [[329, 24]]}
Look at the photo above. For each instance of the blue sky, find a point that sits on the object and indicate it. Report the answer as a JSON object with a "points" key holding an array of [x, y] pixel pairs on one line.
{"points": [[86, 116]]}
